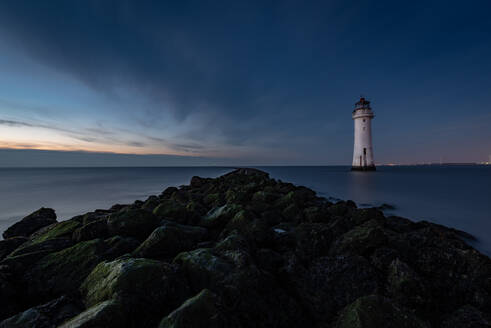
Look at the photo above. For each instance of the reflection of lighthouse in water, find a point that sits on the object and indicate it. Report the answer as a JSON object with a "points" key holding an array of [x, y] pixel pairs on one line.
{"points": [[363, 151]]}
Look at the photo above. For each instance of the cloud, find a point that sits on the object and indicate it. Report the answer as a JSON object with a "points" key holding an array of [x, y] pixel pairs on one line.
{"points": [[14, 123], [223, 61]]}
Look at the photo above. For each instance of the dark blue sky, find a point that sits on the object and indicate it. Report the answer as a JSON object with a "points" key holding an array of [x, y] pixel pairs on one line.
{"points": [[249, 82]]}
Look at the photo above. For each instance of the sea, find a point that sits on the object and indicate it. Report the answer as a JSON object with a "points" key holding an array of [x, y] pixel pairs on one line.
{"points": [[457, 196]]}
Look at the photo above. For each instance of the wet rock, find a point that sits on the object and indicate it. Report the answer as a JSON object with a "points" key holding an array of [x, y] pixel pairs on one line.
{"points": [[168, 192], [219, 216], [151, 203], [201, 310], [48, 315], [330, 283], [132, 222], [31, 223], [377, 312], [361, 240], [248, 172], [108, 314], [92, 230], [203, 268], [62, 272], [268, 254], [49, 245], [405, 285], [7, 246], [139, 285], [174, 211], [169, 240], [63, 229]]}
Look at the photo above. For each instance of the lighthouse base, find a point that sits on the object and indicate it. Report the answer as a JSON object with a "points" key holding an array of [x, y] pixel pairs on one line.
{"points": [[363, 168]]}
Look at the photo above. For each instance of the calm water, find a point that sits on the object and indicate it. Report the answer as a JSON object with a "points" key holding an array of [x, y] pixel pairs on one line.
{"points": [[457, 196]]}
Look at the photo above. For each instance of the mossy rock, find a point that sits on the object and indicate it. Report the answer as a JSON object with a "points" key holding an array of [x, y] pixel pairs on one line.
{"points": [[265, 196], [31, 223], [292, 213], [313, 240], [151, 203], [361, 240], [196, 312], [218, 216], [92, 230], [247, 225], [376, 312], [62, 272], [108, 314], [173, 210], [49, 245], [7, 246], [46, 315], [203, 268], [169, 240], [215, 199], [132, 222], [316, 214], [341, 208], [362, 215], [58, 230], [139, 284], [405, 285]]}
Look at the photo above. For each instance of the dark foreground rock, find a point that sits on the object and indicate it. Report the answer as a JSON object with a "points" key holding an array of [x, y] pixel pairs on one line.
{"points": [[241, 250], [31, 223]]}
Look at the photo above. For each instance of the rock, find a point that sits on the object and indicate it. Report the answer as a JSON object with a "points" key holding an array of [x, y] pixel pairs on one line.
{"points": [[139, 285], [214, 200], [58, 230], [173, 210], [199, 311], [49, 245], [330, 283], [219, 215], [108, 314], [132, 222], [9, 299], [316, 214], [361, 240], [405, 285], [7, 246], [151, 203], [247, 172], [118, 246], [92, 230], [197, 182], [467, 317], [376, 312], [31, 223], [313, 240], [203, 268], [167, 193], [62, 272], [45, 316], [300, 196], [255, 252], [169, 240]]}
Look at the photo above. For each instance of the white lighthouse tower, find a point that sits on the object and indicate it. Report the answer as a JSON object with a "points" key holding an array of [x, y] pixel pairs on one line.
{"points": [[363, 150]]}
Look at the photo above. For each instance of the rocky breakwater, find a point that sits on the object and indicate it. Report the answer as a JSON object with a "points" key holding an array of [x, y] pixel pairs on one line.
{"points": [[241, 250]]}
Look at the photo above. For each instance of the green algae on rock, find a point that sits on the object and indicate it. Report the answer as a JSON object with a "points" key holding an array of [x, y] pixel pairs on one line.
{"points": [[241, 250]]}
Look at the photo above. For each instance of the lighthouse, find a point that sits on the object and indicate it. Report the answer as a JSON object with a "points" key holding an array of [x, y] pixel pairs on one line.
{"points": [[363, 150]]}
